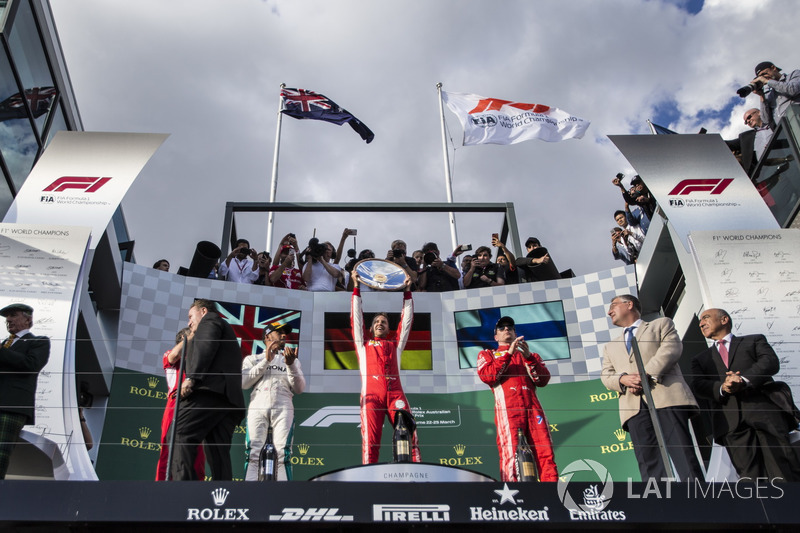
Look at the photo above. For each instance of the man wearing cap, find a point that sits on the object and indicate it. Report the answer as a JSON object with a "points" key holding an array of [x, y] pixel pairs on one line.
{"points": [[275, 376], [660, 348], [513, 372], [22, 357], [776, 91]]}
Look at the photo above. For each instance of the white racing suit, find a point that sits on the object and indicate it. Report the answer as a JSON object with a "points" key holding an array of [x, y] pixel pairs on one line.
{"points": [[274, 383]]}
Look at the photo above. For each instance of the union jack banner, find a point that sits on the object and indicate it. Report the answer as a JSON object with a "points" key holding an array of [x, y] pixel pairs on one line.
{"points": [[250, 321], [303, 104]]}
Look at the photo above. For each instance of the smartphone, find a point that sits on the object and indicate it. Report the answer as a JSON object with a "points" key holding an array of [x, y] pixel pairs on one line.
{"points": [[353, 231], [495, 238], [466, 247]]}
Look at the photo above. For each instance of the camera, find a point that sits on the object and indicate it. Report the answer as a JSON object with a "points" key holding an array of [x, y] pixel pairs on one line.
{"points": [[429, 258], [398, 252], [747, 89], [315, 248]]}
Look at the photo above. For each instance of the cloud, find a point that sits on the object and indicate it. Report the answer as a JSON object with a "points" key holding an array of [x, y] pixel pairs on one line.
{"points": [[209, 73]]}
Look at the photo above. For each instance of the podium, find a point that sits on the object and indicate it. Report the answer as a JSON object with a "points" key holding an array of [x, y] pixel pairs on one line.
{"points": [[403, 473]]}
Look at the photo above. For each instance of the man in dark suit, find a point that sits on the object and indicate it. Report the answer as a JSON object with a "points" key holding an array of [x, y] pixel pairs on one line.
{"points": [[212, 402], [22, 356], [735, 375]]}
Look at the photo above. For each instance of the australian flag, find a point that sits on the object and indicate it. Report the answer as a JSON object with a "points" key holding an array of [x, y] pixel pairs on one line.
{"points": [[299, 103]]}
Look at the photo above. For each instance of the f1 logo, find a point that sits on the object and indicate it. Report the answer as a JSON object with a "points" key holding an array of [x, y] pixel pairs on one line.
{"points": [[712, 186], [76, 182]]}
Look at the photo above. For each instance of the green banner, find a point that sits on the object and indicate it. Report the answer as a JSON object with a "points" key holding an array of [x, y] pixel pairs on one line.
{"points": [[453, 429]]}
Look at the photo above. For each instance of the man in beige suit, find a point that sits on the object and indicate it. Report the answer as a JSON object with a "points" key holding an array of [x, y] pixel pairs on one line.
{"points": [[661, 349]]}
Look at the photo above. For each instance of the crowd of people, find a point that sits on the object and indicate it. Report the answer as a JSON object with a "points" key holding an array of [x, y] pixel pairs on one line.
{"points": [[317, 266]]}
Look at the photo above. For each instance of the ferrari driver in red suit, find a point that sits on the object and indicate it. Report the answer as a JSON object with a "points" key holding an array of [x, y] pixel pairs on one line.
{"points": [[513, 372], [379, 354]]}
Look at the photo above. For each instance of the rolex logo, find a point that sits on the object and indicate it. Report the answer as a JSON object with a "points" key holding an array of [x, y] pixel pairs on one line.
{"points": [[152, 381], [303, 448], [144, 432], [620, 434], [460, 449], [219, 495]]}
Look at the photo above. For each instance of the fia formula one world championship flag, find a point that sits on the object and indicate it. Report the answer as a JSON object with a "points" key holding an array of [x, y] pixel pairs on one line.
{"points": [[496, 121]]}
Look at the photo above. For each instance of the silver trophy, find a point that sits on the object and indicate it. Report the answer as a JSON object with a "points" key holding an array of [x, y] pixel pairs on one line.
{"points": [[380, 274]]}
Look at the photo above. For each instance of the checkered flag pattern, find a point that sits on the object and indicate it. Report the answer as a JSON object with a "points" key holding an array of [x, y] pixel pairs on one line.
{"points": [[155, 306]]}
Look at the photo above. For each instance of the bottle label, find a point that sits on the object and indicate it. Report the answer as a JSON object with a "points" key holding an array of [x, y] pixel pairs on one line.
{"points": [[528, 470], [403, 448]]}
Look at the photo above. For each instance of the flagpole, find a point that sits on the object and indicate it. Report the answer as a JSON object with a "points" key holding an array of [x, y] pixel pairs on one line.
{"points": [[448, 182], [274, 184]]}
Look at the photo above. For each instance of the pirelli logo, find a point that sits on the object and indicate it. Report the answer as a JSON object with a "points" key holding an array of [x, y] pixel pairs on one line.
{"points": [[410, 513], [711, 186], [81, 183]]}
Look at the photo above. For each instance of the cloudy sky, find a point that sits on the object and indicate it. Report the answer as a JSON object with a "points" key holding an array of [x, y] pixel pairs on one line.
{"points": [[208, 73]]}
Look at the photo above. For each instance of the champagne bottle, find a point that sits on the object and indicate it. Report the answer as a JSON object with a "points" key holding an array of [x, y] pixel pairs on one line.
{"points": [[526, 464], [402, 440], [268, 460]]}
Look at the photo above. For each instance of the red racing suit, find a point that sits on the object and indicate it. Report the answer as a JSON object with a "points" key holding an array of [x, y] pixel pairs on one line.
{"points": [[513, 380], [171, 371], [379, 363]]}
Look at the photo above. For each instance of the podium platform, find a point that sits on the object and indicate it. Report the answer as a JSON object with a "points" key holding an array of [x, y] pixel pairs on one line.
{"points": [[403, 473]]}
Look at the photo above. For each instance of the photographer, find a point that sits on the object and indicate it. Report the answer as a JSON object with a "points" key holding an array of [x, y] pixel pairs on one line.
{"points": [[319, 273], [398, 256], [622, 246], [776, 91], [482, 272], [284, 274], [507, 261], [644, 205], [263, 261], [240, 266], [437, 275]]}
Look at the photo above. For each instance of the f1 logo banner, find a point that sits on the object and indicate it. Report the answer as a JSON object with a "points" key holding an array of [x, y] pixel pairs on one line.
{"points": [[697, 182], [81, 179]]}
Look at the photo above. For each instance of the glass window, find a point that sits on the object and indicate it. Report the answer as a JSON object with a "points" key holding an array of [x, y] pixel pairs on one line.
{"points": [[59, 123], [3, 4], [5, 198], [28, 55], [778, 177], [18, 144]]}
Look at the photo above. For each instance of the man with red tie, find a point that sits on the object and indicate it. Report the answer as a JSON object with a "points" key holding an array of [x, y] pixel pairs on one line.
{"points": [[735, 376]]}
